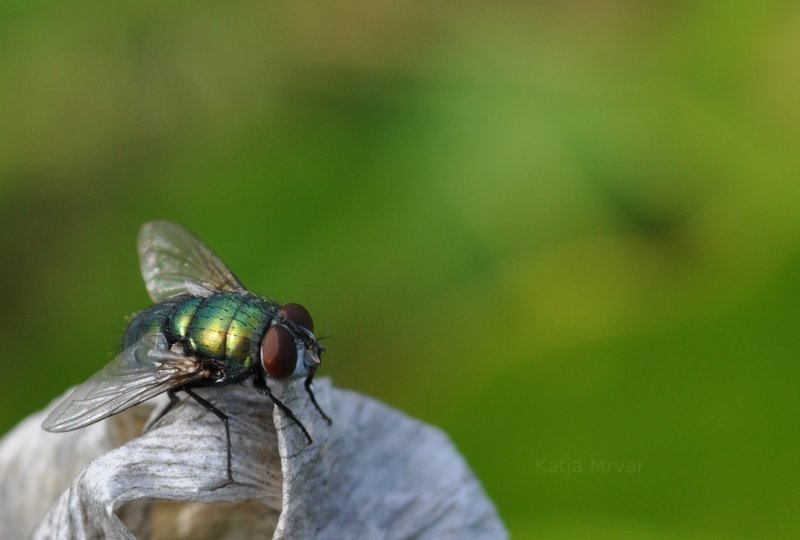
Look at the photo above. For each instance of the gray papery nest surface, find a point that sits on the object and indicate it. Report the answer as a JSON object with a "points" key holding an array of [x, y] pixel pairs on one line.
{"points": [[375, 473]]}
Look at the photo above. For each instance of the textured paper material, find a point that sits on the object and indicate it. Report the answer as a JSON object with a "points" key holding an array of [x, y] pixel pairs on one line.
{"points": [[375, 473]]}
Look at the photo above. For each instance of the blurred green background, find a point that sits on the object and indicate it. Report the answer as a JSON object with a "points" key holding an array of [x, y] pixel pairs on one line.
{"points": [[567, 233]]}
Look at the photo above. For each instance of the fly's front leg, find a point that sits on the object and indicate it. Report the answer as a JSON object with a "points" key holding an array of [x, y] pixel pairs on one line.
{"points": [[307, 384], [261, 384]]}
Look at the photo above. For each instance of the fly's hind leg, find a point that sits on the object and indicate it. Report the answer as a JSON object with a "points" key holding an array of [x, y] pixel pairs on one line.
{"points": [[173, 400], [221, 415]]}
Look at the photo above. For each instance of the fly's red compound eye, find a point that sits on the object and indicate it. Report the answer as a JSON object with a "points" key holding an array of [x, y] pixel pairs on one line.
{"points": [[278, 352], [298, 315]]}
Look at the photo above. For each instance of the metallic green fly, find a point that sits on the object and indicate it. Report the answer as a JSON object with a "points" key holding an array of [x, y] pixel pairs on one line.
{"points": [[205, 329]]}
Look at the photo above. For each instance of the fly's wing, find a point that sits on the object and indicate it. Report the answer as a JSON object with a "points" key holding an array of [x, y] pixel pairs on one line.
{"points": [[175, 263], [143, 370]]}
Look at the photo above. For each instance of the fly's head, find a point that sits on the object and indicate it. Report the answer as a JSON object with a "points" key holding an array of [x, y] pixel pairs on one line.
{"points": [[289, 348]]}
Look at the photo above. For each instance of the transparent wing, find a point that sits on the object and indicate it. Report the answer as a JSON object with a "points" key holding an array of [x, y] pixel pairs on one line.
{"points": [[174, 263], [143, 370]]}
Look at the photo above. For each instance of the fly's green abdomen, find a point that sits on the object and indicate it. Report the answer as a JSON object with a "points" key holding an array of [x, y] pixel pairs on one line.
{"points": [[151, 321]]}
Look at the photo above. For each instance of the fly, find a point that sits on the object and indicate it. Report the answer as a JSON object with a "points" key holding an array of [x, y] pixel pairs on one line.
{"points": [[205, 329]]}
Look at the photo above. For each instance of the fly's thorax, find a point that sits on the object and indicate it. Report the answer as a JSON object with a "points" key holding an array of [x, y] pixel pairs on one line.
{"points": [[223, 326], [247, 328], [181, 317]]}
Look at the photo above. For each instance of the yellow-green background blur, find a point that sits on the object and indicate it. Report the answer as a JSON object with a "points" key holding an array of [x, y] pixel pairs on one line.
{"points": [[564, 232]]}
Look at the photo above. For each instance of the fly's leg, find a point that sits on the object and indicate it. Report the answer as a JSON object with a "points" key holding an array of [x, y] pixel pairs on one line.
{"points": [[314, 399], [262, 385], [219, 414], [173, 400]]}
